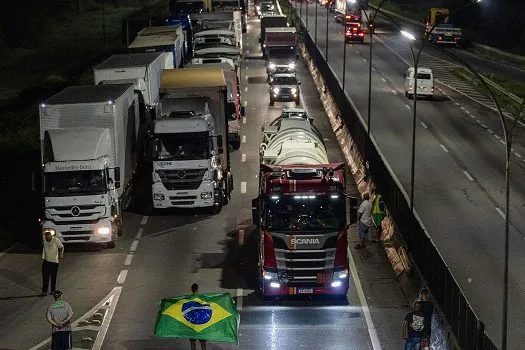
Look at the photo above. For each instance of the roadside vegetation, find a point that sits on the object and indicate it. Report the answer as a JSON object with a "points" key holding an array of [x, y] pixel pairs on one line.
{"points": [[51, 46]]}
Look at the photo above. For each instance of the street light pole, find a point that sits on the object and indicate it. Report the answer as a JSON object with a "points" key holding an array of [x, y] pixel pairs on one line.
{"points": [[344, 59], [315, 35], [326, 50]]}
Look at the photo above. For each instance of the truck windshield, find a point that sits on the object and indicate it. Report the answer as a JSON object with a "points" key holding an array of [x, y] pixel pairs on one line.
{"points": [[281, 53], [66, 183], [183, 146], [305, 213], [284, 81]]}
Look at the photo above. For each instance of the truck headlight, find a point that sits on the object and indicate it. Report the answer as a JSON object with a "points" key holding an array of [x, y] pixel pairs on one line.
{"points": [[158, 197], [103, 230], [291, 66], [340, 275], [156, 177], [271, 66], [206, 195], [270, 276], [49, 230], [294, 90], [276, 90], [337, 284]]}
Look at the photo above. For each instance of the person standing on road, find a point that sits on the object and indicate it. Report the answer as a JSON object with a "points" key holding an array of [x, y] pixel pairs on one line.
{"points": [[193, 342], [427, 307], [59, 316], [364, 220], [51, 253], [378, 214], [414, 328]]}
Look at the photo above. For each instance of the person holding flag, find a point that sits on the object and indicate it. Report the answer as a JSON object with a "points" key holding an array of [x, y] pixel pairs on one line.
{"points": [[378, 214], [203, 317]]}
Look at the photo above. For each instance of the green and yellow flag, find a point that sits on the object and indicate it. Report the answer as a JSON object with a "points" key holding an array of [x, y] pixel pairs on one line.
{"points": [[212, 317]]}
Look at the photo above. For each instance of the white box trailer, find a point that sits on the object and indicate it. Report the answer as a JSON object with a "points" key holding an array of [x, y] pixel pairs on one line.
{"points": [[143, 70], [230, 20], [168, 43], [88, 138], [175, 30]]}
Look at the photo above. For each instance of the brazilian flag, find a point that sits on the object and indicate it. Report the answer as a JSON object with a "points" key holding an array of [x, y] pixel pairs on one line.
{"points": [[212, 317]]}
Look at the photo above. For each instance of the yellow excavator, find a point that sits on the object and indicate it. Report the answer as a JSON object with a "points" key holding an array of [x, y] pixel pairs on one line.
{"points": [[438, 29]]}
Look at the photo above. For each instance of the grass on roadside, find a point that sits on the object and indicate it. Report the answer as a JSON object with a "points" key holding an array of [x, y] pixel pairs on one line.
{"points": [[505, 102]]}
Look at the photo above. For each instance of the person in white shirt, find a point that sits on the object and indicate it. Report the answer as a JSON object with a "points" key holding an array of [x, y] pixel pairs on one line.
{"points": [[364, 220], [51, 253]]}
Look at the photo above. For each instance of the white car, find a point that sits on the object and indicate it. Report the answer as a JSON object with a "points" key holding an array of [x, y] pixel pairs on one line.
{"points": [[425, 82]]}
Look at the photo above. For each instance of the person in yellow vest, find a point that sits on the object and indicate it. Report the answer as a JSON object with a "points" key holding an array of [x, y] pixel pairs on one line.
{"points": [[378, 214]]}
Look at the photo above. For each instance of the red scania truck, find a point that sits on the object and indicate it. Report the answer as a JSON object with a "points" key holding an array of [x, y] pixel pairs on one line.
{"points": [[300, 212]]}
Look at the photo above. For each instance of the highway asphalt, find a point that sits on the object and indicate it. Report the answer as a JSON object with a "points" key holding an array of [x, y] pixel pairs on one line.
{"points": [[459, 171], [114, 293]]}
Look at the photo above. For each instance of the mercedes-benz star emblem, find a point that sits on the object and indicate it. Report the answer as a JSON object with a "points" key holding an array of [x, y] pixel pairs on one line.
{"points": [[180, 174], [75, 211]]}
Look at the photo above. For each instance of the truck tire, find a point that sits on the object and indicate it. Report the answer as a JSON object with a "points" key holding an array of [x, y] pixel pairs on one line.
{"points": [[216, 208], [111, 244]]}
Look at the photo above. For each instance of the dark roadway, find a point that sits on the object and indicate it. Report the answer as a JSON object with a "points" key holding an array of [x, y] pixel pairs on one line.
{"points": [[459, 171]]}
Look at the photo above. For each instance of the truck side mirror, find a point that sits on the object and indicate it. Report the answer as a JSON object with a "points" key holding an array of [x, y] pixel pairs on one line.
{"points": [[243, 111], [117, 177], [352, 209], [256, 218]]}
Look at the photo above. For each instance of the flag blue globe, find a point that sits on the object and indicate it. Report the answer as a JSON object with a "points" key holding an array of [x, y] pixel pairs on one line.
{"points": [[196, 313]]}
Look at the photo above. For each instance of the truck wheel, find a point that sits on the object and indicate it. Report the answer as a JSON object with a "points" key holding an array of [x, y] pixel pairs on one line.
{"points": [[111, 244], [216, 208]]}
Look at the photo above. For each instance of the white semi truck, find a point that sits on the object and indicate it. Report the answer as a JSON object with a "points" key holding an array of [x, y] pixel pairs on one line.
{"points": [[88, 138], [234, 108], [189, 145]]}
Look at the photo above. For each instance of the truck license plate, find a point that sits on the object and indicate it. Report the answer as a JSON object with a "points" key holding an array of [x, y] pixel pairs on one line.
{"points": [[305, 290]]}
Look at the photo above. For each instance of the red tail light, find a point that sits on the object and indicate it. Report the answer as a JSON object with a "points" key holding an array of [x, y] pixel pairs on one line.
{"points": [[269, 253], [341, 253], [361, 34]]}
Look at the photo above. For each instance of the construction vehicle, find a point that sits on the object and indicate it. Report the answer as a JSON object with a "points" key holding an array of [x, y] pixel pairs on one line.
{"points": [[440, 31], [88, 138], [300, 212], [188, 142]]}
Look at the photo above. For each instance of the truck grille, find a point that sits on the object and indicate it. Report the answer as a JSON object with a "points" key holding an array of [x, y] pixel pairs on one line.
{"points": [[75, 214], [183, 200], [181, 179]]}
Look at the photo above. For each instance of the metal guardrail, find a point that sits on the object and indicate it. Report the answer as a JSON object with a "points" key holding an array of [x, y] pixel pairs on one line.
{"points": [[466, 326]]}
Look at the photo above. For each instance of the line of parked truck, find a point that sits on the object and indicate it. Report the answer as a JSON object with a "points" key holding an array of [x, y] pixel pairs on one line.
{"points": [[171, 105]]}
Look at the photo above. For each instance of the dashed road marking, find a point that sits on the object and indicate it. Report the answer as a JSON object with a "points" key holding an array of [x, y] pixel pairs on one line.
{"points": [[128, 259], [139, 233], [484, 126], [245, 103], [500, 212], [243, 139], [468, 175], [244, 120], [423, 125], [246, 77], [248, 52], [444, 148], [463, 108], [491, 131], [394, 92], [122, 276], [241, 237], [373, 68], [384, 80], [144, 220], [243, 187], [364, 59], [134, 245], [246, 67], [502, 141], [456, 103], [240, 293], [243, 157], [246, 89], [517, 154], [407, 106]]}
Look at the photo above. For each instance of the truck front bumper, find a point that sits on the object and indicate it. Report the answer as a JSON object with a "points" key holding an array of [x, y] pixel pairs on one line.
{"points": [[202, 197], [273, 289], [101, 232]]}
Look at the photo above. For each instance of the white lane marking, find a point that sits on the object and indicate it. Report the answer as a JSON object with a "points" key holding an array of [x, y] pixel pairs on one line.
{"points": [[139, 233], [394, 92], [246, 89], [243, 157], [245, 103], [109, 302], [246, 78], [502, 141], [500, 212], [384, 80], [241, 237], [444, 148], [490, 130], [239, 298], [407, 106], [122, 276], [373, 68], [243, 187], [456, 103], [144, 220], [134, 245], [244, 120], [484, 126], [243, 138], [468, 175], [423, 125], [129, 257], [364, 59], [517, 154], [497, 137], [248, 52], [246, 67], [376, 345], [468, 112], [463, 108]]}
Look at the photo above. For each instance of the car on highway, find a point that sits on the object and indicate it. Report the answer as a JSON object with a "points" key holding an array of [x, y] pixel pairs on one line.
{"points": [[354, 34], [425, 82], [284, 87]]}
